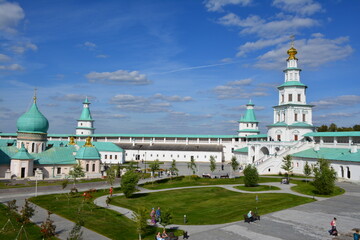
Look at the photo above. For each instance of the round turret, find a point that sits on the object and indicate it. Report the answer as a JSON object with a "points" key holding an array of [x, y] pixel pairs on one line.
{"points": [[88, 151]]}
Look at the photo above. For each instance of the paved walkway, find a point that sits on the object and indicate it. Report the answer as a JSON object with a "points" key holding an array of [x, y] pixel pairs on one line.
{"points": [[309, 221]]}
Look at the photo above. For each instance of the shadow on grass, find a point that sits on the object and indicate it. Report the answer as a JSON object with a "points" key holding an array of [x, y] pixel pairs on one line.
{"points": [[138, 195]]}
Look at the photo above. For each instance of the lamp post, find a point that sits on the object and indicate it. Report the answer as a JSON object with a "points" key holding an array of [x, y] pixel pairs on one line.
{"points": [[145, 162]]}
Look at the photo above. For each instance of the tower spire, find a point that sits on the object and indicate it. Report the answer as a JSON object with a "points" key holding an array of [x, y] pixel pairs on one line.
{"points": [[292, 51], [35, 95]]}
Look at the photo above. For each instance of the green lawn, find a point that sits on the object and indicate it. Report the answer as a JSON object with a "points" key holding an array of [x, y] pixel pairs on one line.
{"points": [[258, 188], [211, 205], [309, 189], [196, 181], [32, 231], [101, 220]]}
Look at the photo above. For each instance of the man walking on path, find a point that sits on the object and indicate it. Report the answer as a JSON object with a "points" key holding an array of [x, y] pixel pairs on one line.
{"points": [[158, 215]]}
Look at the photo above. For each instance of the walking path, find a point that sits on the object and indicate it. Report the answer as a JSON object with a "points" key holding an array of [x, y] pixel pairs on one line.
{"points": [[309, 221]]}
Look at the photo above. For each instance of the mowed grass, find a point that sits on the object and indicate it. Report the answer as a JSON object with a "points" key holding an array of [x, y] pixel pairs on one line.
{"points": [[210, 205], [32, 231], [308, 188], [197, 181], [258, 188], [104, 221]]}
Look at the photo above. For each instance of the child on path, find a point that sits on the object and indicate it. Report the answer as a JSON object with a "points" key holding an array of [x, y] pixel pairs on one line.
{"points": [[152, 216]]}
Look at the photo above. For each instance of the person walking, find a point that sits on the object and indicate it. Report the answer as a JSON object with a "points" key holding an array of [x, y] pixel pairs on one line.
{"points": [[158, 215], [333, 231], [152, 216], [111, 191]]}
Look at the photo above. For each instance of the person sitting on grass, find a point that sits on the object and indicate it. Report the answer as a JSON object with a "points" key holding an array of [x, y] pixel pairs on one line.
{"points": [[164, 235], [251, 216], [356, 234], [158, 236]]}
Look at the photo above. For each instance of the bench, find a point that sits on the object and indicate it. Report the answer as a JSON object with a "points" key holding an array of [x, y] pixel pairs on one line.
{"points": [[206, 175], [224, 176], [254, 218]]}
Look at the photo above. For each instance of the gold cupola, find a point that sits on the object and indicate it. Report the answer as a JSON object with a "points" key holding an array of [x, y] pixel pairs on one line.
{"points": [[292, 52]]}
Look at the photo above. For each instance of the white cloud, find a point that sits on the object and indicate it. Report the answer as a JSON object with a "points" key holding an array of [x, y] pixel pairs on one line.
{"points": [[243, 107], [238, 89], [268, 29], [22, 47], [132, 103], [4, 58], [303, 7], [12, 67], [118, 77], [10, 15], [259, 44], [102, 56], [183, 117], [312, 52], [217, 5], [174, 98], [89, 45], [344, 100]]}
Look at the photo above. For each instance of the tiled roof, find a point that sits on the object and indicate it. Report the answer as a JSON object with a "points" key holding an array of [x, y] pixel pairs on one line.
{"points": [[333, 134], [339, 154], [242, 150]]}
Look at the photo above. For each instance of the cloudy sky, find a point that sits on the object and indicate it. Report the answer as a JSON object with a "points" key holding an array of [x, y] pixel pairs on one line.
{"points": [[176, 67]]}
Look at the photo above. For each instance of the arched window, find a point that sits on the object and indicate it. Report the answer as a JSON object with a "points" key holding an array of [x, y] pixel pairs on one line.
{"points": [[348, 172], [87, 167], [93, 167], [33, 147]]}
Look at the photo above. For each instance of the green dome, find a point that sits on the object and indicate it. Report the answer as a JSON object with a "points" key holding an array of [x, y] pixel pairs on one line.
{"points": [[33, 121], [88, 153]]}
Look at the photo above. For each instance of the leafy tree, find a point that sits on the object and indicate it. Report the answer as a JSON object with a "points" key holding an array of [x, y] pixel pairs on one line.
{"points": [[12, 207], [212, 164], [131, 165], [356, 127], [64, 183], [48, 228], [324, 177], [26, 213], [192, 165], [332, 127], [251, 176], [110, 175], [307, 169], [287, 166], [323, 128], [173, 169], [234, 163], [129, 182], [154, 166], [77, 172], [140, 219], [166, 218], [76, 232]]}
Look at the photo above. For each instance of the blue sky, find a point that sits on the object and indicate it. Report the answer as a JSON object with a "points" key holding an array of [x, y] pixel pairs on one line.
{"points": [[176, 67]]}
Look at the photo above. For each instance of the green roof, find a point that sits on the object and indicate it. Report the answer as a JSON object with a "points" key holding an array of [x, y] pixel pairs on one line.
{"points": [[56, 155], [242, 150], [87, 152], [291, 68], [32, 121], [104, 146], [292, 84], [249, 130], [339, 154], [257, 136], [333, 134], [85, 128], [6, 142], [298, 124], [249, 114], [293, 104], [6, 153], [23, 154]]}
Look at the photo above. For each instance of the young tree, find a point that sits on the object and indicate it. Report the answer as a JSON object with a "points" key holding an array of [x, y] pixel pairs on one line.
{"points": [[76, 232], [129, 182], [173, 169], [48, 227], [324, 177], [110, 175], [26, 213], [166, 218], [307, 169], [76, 172], [140, 219], [131, 165], [12, 207], [234, 163], [154, 166], [192, 165], [287, 166], [212, 164], [251, 176]]}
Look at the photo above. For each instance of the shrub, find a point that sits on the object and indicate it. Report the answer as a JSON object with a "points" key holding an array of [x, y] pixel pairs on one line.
{"points": [[251, 176], [128, 183]]}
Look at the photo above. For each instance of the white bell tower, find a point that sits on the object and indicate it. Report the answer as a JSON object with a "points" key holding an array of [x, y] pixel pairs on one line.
{"points": [[85, 125]]}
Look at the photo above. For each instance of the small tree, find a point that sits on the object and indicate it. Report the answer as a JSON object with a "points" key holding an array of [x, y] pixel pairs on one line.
{"points": [[12, 207], [251, 176], [287, 166], [48, 227], [234, 164], [129, 182], [154, 166], [110, 175], [140, 219], [166, 218], [76, 232], [307, 169], [76, 172], [324, 177], [26, 213], [131, 165], [192, 165], [212, 164], [173, 169]]}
